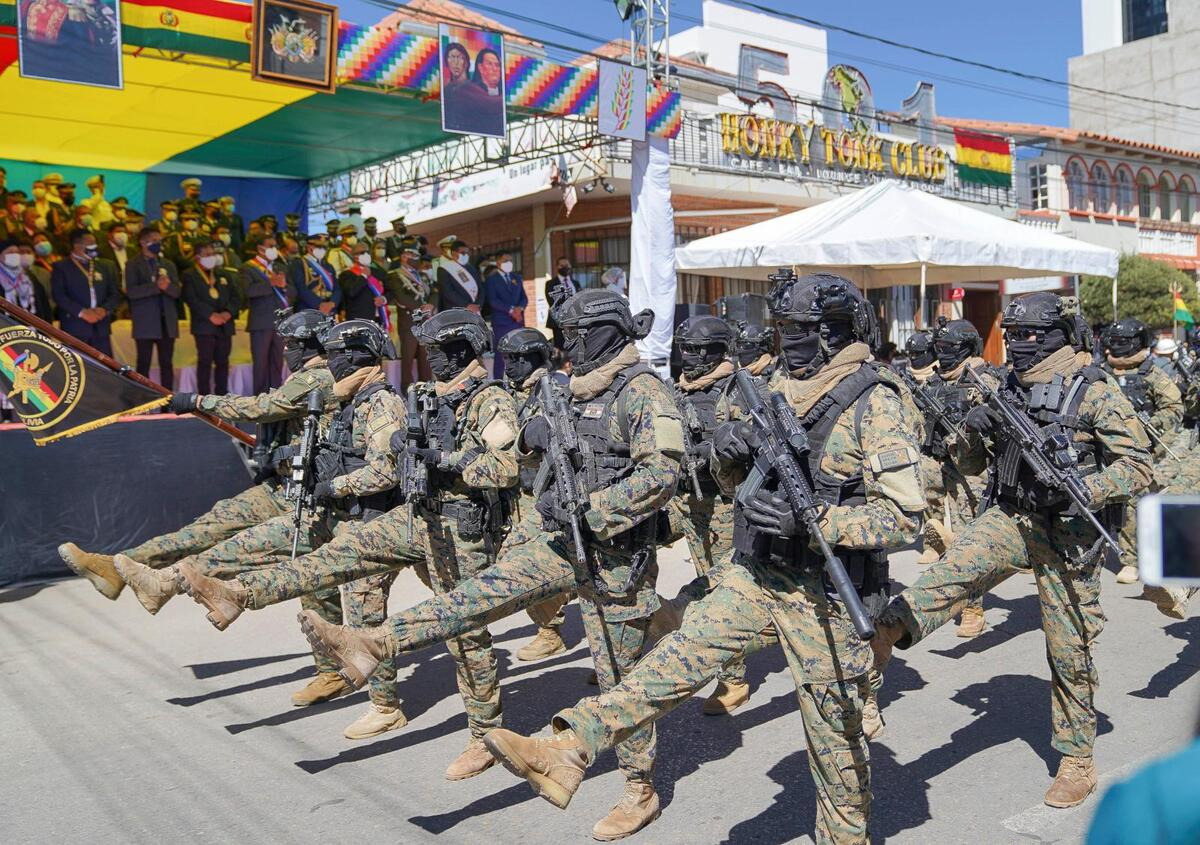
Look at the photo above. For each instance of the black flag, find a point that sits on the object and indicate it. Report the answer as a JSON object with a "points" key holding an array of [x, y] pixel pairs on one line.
{"points": [[58, 392]]}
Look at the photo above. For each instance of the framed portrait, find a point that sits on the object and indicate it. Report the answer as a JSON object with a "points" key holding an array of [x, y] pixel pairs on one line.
{"points": [[472, 65], [77, 42], [295, 43]]}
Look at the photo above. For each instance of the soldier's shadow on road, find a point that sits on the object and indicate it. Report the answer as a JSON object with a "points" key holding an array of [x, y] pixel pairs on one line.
{"points": [[1024, 615], [1182, 667], [201, 671]]}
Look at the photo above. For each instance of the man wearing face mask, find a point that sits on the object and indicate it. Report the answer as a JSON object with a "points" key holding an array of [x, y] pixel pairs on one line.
{"points": [[559, 289], [371, 234], [100, 208], [395, 242], [363, 294], [212, 305], [505, 292], [223, 237], [229, 217], [916, 371], [410, 290], [44, 257], [152, 285], [863, 463], [457, 284], [86, 292], [17, 284], [292, 230], [168, 221], [191, 196], [13, 221], [116, 247], [961, 470], [66, 195], [755, 350], [49, 210], [341, 258], [180, 247], [1155, 397], [41, 280], [1027, 526], [267, 290], [632, 444], [470, 426], [314, 280]]}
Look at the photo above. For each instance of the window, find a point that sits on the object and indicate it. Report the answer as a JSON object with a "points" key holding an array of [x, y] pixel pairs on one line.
{"points": [[1184, 197], [512, 247], [1039, 188], [1124, 191], [1144, 18], [1076, 195], [1100, 190], [1144, 192], [1166, 197], [592, 255]]}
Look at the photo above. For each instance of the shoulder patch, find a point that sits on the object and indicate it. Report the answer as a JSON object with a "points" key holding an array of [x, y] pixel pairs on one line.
{"points": [[894, 459]]}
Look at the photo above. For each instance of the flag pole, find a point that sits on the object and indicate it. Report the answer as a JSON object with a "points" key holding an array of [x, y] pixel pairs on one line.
{"points": [[32, 320]]}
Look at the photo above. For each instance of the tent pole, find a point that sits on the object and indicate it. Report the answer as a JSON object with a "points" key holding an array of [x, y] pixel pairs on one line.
{"points": [[921, 300]]}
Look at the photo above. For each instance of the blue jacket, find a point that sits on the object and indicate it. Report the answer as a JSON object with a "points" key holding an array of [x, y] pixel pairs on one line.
{"points": [[69, 287], [1160, 805], [504, 293]]}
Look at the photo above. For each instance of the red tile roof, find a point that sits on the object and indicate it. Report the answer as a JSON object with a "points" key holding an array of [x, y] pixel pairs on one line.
{"points": [[1060, 133]]}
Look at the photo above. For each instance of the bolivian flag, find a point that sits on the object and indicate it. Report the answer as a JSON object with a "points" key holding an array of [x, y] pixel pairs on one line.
{"points": [[983, 159], [1182, 314]]}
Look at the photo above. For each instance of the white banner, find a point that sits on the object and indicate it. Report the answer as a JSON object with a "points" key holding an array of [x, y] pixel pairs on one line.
{"points": [[652, 245], [622, 101]]}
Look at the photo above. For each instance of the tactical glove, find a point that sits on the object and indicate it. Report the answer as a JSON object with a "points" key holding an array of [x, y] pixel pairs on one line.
{"points": [[735, 441], [772, 514], [323, 493], [182, 403], [399, 442], [535, 436], [982, 419], [430, 457], [553, 515]]}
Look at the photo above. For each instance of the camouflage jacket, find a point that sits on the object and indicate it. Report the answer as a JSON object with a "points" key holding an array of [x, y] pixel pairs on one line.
{"points": [[1164, 402], [375, 420], [484, 453], [287, 403]]}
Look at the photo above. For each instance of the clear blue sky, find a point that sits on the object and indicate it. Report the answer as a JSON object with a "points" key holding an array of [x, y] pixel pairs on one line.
{"points": [[1033, 36]]}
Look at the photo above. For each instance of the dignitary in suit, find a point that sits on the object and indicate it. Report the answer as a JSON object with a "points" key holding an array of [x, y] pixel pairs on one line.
{"points": [[212, 302], [86, 292], [505, 291], [458, 286], [314, 279], [152, 285], [559, 289], [363, 294], [267, 290]]}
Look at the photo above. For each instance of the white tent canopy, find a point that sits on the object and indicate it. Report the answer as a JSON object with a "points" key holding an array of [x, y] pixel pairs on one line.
{"points": [[885, 234]]}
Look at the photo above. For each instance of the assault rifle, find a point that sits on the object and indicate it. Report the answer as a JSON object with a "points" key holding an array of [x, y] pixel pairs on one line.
{"points": [[784, 445], [1144, 417], [1050, 457], [690, 459], [414, 473], [932, 407], [301, 479], [557, 467]]}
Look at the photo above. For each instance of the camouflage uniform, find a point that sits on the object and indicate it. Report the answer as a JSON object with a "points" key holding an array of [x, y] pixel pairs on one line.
{"points": [[284, 404], [445, 537], [1062, 550], [828, 661]]}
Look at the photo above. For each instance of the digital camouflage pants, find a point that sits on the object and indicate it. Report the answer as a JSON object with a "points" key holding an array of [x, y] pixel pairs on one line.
{"points": [[1062, 553], [374, 549], [954, 500], [831, 686]]}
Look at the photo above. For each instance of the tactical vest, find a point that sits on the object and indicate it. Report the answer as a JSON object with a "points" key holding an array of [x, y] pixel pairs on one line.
{"points": [[868, 569], [339, 456], [603, 460], [443, 428], [1054, 408], [699, 409], [1135, 385], [528, 409]]}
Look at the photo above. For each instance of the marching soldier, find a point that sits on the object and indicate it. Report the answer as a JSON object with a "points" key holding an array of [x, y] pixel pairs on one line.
{"points": [[631, 443], [1027, 525], [755, 350], [456, 530], [863, 463]]}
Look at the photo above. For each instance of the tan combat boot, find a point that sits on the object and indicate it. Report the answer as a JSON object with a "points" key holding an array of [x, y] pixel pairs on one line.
{"points": [[325, 687], [872, 719], [1170, 601], [547, 643], [153, 587], [474, 760], [887, 634], [377, 720], [358, 650], [637, 808], [971, 623], [1075, 781], [553, 765], [96, 568], [225, 600], [727, 697], [935, 542], [1127, 575]]}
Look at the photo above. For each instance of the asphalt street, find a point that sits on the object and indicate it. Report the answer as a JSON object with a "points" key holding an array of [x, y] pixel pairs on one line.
{"points": [[116, 727]]}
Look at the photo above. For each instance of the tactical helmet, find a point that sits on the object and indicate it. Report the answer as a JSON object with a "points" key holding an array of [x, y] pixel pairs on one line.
{"points": [[597, 306], [1044, 311], [753, 341], [956, 341], [703, 343], [920, 349], [823, 298], [525, 342], [302, 325], [456, 324], [1126, 337], [364, 336]]}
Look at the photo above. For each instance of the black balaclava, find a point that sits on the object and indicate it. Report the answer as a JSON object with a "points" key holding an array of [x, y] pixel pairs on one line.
{"points": [[341, 364], [950, 355], [521, 367], [806, 355], [593, 346], [448, 359], [293, 354], [1026, 353], [699, 359], [747, 355], [1123, 347]]}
